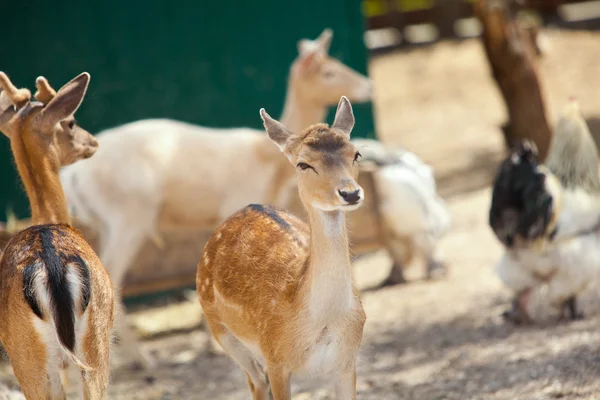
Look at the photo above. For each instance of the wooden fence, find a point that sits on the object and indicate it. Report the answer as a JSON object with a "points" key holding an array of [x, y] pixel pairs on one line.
{"points": [[443, 15]]}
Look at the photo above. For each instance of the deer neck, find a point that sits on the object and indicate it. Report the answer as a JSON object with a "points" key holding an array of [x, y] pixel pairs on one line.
{"points": [[40, 176], [300, 110], [329, 276]]}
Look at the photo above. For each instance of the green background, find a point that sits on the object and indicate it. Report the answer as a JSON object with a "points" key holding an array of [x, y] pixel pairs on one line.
{"points": [[214, 63]]}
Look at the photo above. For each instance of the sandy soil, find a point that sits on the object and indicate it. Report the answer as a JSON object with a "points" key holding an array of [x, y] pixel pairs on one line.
{"points": [[445, 339]]}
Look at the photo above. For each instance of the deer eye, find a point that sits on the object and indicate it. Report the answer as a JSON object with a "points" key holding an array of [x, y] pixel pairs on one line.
{"points": [[328, 74], [304, 166], [72, 124], [357, 156]]}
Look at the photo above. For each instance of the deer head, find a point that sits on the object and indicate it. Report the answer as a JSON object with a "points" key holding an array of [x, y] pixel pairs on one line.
{"points": [[323, 79], [325, 160], [47, 124]]}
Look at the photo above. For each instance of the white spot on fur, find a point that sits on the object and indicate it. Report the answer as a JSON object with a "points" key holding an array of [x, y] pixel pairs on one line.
{"points": [[218, 236], [219, 297], [205, 258]]}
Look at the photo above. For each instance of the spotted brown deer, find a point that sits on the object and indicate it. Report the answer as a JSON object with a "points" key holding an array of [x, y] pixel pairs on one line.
{"points": [[56, 299], [140, 180], [278, 294]]}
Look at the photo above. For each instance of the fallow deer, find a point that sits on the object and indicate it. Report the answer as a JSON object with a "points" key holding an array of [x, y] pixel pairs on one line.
{"points": [[548, 217], [56, 299], [140, 179], [278, 294]]}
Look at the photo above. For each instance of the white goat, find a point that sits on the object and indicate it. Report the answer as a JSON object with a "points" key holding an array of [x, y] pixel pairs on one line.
{"points": [[549, 218]]}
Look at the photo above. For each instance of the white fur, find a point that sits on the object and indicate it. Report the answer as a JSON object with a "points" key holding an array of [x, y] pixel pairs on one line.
{"points": [[568, 263], [323, 356], [409, 203], [57, 355], [326, 304]]}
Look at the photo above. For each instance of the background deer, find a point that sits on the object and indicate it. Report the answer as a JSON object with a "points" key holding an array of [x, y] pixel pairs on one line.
{"points": [[56, 299], [279, 295], [148, 174], [548, 217]]}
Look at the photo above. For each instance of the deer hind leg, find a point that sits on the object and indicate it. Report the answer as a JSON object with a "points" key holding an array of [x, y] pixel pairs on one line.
{"points": [[30, 356], [94, 350], [235, 349], [125, 238]]}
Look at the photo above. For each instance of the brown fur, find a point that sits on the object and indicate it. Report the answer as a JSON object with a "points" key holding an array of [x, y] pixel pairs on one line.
{"points": [[44, 138], [269, 282]]}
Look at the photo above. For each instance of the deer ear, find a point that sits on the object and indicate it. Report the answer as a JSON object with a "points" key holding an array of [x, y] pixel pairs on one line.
{"points": [[305, 46], [344, 118], [66, 102], [7, 111], [324, 40], [278, 133]]}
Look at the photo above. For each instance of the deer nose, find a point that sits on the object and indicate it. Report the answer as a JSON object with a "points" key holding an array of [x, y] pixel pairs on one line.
{"points": [[350, 197]]}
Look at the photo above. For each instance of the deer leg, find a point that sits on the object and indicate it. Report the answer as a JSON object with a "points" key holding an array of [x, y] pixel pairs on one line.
{"points": [[96, 354], [122, 246], [30, 367], [345, 385], [280, 383], [240, 354]]}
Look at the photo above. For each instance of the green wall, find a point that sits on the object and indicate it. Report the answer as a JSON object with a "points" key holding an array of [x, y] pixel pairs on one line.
{"points": [[213, 63]]}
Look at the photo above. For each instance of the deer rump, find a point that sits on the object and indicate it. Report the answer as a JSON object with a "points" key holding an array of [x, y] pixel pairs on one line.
{"points": [[55, 284]]}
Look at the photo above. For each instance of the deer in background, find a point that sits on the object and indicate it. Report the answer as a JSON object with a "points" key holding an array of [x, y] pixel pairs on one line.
{"points": [[548, 217], [56, 299], [148, 174], [278, 294]]}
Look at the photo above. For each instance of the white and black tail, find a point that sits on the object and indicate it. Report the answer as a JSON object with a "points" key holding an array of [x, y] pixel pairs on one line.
{"points": [[56, 285]]}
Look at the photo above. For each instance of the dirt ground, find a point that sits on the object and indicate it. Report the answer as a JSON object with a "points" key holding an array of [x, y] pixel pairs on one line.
{"points": [[445, 339]]}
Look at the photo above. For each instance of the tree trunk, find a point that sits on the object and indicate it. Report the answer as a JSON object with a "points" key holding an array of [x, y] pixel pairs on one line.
{"points": [[512, 57]]}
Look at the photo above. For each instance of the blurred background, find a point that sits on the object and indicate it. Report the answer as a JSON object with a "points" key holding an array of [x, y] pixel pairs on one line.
{"points": [[439, 92]]}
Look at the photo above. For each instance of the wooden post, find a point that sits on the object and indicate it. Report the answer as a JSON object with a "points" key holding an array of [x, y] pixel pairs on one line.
{"points": [[512, 57]]}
